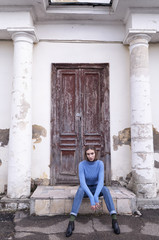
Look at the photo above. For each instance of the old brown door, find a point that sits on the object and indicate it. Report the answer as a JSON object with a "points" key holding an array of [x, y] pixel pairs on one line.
{"points": [[80, 116]]}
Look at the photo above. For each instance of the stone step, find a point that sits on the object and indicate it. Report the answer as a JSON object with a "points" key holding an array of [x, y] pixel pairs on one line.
{"points": [[57, 200]]}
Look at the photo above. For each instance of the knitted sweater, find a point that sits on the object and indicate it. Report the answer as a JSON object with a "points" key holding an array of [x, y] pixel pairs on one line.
{"points": [[91, 173]]}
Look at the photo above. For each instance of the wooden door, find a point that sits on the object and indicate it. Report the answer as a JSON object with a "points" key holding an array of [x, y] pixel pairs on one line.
{"points": [[79, 117]]}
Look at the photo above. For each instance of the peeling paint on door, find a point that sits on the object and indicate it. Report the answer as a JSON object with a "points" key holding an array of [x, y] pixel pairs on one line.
{"points": [[123, 138], [79, 117]]}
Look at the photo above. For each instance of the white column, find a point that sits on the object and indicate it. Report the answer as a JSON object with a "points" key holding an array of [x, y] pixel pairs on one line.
{"points": [[141, 122], [20, 139]]}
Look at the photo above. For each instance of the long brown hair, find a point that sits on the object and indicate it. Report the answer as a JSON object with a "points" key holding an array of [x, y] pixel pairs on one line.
{"points": [[91, 147]]}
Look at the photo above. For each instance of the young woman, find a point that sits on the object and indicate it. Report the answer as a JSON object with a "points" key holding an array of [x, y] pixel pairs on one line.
{"points": [[91, 176]]}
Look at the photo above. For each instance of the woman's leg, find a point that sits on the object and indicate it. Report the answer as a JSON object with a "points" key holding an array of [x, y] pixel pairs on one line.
{"points": [[77, 201], [110, 205], [75, 208], [108, 200]]}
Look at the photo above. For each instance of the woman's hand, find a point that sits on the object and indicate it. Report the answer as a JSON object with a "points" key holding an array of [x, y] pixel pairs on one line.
{"points": [[96, 206], [93, 207]]}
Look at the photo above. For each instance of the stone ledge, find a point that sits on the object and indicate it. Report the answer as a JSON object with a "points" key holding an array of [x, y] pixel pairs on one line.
{"points": [[56, 200], [14, 204], [146, 203]]}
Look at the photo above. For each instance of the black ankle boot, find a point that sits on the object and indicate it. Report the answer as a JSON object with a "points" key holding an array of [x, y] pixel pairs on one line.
{"points": [[115, 226], [70, 228]]}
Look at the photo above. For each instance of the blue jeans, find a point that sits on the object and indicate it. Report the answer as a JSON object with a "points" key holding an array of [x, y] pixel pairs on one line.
{"points": [[80, 194]]}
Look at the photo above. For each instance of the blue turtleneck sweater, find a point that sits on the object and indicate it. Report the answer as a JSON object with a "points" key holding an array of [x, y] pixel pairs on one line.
{"points": [[91, 173]]}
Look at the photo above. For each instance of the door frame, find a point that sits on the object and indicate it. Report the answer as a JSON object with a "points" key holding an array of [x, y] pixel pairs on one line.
{"points": [[54, 67]]}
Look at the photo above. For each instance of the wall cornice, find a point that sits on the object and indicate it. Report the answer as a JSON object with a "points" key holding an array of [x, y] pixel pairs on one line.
{"points": [[142, 23]]}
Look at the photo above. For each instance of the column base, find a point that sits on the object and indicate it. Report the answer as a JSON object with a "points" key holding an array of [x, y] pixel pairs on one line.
{"points": [[152, 203], [145, 191]]}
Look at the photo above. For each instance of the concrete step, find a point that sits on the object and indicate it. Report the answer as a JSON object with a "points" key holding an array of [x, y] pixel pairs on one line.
{"points": [[57, 200]]}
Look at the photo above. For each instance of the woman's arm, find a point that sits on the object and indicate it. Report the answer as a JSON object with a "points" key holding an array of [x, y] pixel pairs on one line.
{"points": [[84, 185], [100, 182]]}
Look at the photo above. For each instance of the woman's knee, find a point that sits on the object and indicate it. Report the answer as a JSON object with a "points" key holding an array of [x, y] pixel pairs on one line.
{"points": [[105, 190], [80, 192]]}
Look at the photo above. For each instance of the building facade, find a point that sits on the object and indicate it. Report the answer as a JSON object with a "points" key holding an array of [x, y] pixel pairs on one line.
{"points": [[72, 74]]}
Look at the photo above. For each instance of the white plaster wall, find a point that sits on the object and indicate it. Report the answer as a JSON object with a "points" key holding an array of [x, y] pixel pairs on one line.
{"points": [[145, 21], [75, 31], [15, 19], [41, 111], [154, 79], [117, 55], [47, 52], [76, 43], [6, 70]]}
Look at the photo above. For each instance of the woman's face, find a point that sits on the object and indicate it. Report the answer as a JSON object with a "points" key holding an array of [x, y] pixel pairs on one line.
{"points": [[90, 155]]}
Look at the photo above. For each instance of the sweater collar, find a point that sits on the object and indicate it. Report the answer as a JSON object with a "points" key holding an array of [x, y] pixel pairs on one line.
{"points": [[91, 162]]}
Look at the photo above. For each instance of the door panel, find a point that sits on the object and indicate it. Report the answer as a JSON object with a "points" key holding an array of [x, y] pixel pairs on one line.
{"points": [[67, 102], [92, 89], [80, 117], [91, 94], [66, 127]]}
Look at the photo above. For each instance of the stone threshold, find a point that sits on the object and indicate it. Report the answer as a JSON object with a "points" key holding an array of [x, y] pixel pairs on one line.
{"points": [[148, 203], [57, 200], [14, 204]]}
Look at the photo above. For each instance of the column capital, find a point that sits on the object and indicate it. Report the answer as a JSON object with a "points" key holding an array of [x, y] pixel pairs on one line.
{"points": [[23, 37], [138, 39], [23, 34], [138, 34]]}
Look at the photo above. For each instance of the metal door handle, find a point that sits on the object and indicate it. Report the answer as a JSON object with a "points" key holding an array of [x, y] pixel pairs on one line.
{"points": [[78, 116]]}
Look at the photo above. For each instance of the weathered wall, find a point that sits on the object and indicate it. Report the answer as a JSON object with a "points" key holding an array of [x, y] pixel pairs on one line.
{"points": [[6, 57], [154, 78], [59, 52], [47, 52]]}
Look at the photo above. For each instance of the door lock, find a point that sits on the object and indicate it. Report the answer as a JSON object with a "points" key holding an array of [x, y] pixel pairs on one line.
{"points": [[78, 116]]}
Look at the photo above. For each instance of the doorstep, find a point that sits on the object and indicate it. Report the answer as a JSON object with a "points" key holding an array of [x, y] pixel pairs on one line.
{"points": [[57, 200]]}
